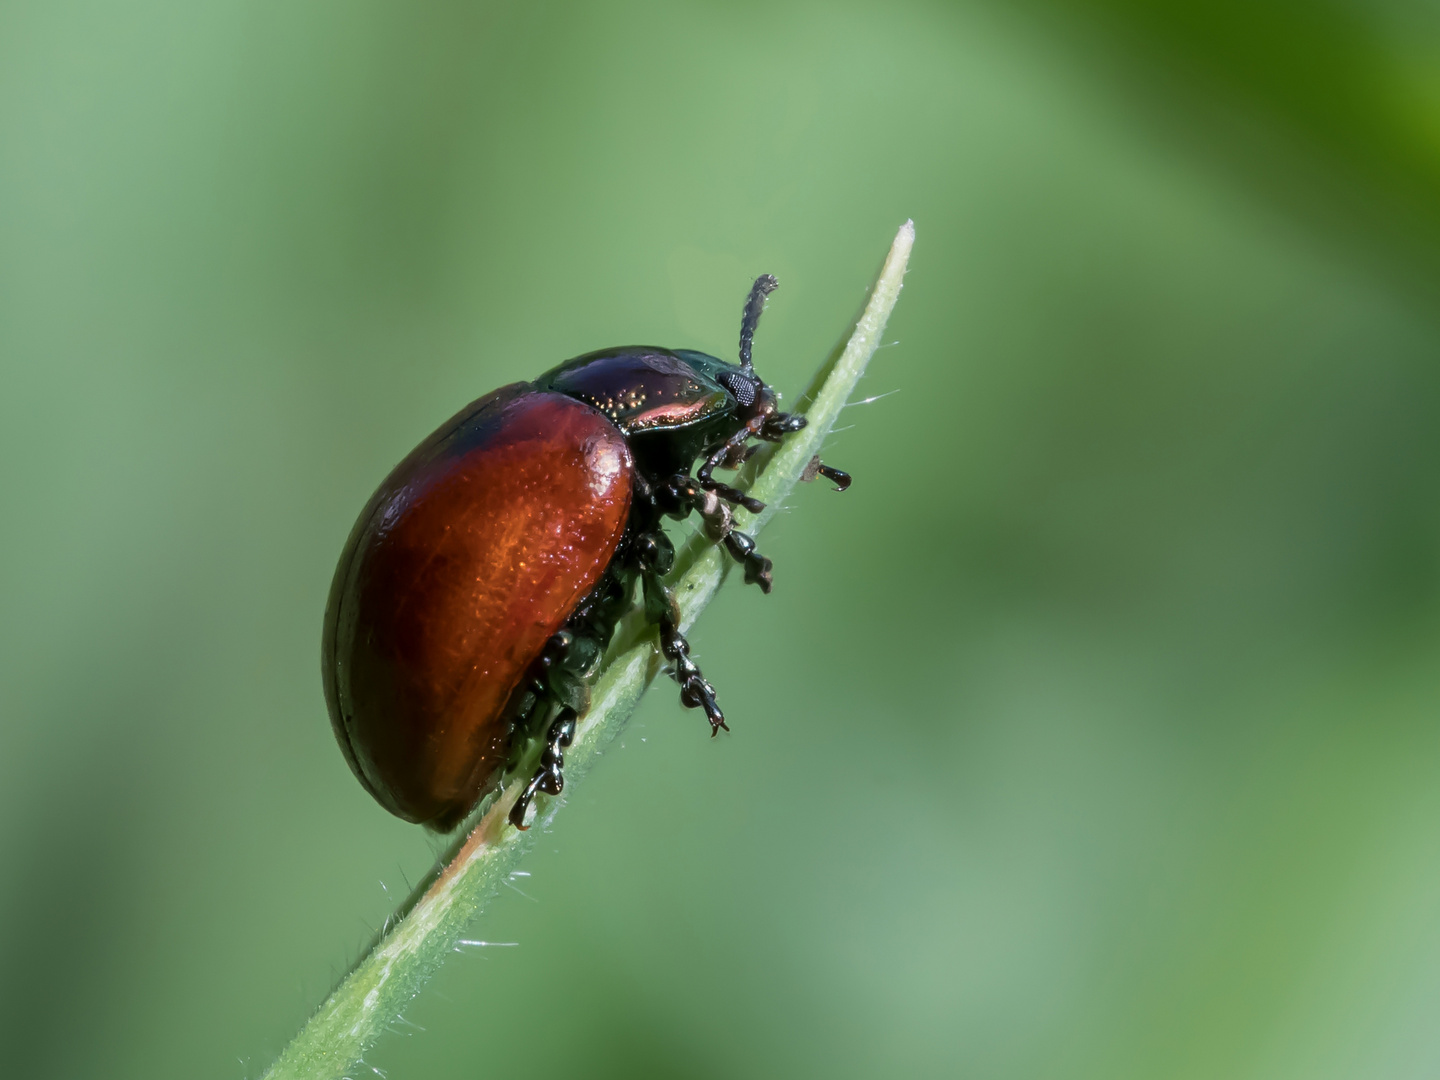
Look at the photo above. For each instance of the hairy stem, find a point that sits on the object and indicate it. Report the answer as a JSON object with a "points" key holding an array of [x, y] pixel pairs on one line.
{"points": [[427, 928]]}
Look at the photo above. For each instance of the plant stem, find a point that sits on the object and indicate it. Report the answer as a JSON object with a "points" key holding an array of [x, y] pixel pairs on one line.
{"points": [[427, 928]]}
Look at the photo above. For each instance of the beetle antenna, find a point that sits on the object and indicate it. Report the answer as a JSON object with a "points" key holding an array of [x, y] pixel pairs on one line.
{"points": [[754, 305]]}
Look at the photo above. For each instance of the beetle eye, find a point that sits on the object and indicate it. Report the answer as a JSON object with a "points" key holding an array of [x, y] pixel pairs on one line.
{"points": [[741, 385]]}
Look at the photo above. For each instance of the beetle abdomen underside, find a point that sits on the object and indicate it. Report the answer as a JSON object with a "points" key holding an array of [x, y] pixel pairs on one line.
{"points": [[472, 553]]}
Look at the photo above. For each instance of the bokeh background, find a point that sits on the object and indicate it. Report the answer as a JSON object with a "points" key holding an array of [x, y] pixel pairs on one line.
{"points": [[1092, 734]]}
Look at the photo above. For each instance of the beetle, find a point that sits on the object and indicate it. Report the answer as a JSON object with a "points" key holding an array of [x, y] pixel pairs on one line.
{"points": [[484, 578]]}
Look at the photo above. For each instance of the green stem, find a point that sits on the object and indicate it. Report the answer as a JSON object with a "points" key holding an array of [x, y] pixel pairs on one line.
{"points": [[428, 926]]}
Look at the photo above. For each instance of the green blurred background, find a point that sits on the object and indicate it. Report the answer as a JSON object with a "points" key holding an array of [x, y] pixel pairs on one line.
{"points": [[1092, 734]]}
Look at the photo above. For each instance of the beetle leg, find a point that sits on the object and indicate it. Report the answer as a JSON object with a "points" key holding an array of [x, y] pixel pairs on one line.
{"points": [[685, 493], [733, 495], [695, 692], [654, 553], [777, 425], [736, 456], [562, 671], [840, 479], [550, 777], [659, 601], [746, 454], [757, 567], [728, 450], [719, 527], [716, 520], [682, 496]]}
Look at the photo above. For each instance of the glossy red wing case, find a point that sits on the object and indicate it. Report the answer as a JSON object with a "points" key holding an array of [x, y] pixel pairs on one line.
{"points": [[472, 553]]}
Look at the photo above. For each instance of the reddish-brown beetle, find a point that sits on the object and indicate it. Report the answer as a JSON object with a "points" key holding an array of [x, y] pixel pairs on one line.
{"points": [[485, 576]]}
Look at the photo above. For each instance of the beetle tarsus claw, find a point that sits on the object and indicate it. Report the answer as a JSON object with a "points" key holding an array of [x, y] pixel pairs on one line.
{"points": [[695, 692], [839, 478]]}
